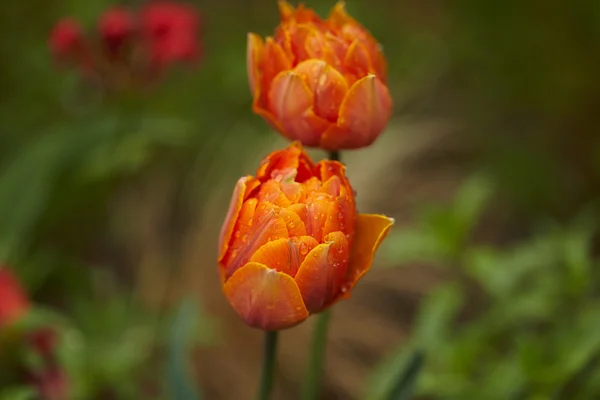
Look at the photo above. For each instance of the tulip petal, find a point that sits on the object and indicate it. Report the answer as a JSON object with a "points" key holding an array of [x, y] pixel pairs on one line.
{"points": [[328, 86], [370, 230], [358, 59], [285, 255], [264, 298], [320, 276], [279, 162], [286, 10], [317, 214], [293, 222], [291, 102], [364, 113], [273, 61], [271, 192], [267, 225], [253, 59], [242, 187]]}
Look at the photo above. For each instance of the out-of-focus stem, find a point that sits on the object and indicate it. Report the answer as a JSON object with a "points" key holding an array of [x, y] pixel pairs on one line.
{"points": [[268, 367], [312, 382]]}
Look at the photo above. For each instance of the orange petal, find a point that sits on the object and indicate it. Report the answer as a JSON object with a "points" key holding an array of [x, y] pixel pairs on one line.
{"points": [[340, 218], [286, 10], [274, 61], [322, 273], [285, 255], [264, 298], [332, 186], [271, 192], [282, 161], [267, 225], [363, 115], [370, 230], [358, 60], [300, 210], [328, 86], [338, 15], [294, 224], [317, 214], [239, 192], [291, 102], [253, 59]]}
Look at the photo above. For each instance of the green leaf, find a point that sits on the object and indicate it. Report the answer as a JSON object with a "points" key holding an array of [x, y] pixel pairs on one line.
{"points": [[18, 393], [407, 382]]}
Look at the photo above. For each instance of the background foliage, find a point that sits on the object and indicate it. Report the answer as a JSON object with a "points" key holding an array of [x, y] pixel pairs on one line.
{"points": [[518, 318]]}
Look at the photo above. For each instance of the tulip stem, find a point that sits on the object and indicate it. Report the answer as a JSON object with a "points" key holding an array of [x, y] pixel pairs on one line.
{"points": [[312, 382], [268, 367], [334, 155]]}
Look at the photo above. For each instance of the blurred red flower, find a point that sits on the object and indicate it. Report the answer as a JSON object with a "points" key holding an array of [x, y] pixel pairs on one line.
{"points": [[130, 47], [170, 29], [13, 300]]}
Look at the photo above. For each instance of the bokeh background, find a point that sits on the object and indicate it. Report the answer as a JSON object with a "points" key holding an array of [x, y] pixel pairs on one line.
{"points": [[110, 205]]}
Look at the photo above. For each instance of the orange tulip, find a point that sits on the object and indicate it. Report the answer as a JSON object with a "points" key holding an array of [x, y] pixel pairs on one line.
{"points": [[321, 82], [292, 243]]}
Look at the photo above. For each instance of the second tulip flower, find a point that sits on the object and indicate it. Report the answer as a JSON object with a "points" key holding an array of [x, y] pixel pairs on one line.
{"points": [[292, 243]]}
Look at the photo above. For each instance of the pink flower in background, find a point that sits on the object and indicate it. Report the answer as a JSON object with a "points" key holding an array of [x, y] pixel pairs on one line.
{"points": [[117, 27], [130, 48], [13, 300], [171, 31]]}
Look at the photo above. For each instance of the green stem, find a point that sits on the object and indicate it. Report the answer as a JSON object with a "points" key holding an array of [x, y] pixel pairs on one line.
{"points": [[312, 382], [335, 155], [268, 367]]}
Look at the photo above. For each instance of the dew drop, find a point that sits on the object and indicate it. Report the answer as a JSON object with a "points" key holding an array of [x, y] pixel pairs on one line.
{"points": [[348, 236], [340, 215], [292, 224], [237, 234], [303, 249], [344, 289]]}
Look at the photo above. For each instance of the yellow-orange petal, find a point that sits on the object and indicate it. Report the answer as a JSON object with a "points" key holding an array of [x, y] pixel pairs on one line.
{"points": [[264, 298], [370, 230], [364, 113], [285, 255], [242, 186], [253, 59], [291, 102], [321, 275], [338, 15], [286, 10]]}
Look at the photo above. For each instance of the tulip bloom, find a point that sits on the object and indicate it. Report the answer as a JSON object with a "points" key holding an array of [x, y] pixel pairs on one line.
{"points": [[321, 82], [292, 243]]}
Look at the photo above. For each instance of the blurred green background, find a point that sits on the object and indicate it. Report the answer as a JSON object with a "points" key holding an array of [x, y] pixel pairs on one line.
{"points": [[110, 204]]}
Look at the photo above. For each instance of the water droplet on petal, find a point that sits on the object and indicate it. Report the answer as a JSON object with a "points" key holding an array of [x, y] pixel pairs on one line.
{"points": [[303, 249]]}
